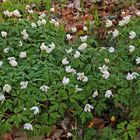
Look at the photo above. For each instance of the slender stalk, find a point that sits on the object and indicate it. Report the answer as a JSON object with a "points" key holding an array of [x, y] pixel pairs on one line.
{"points": [[82, 5], [11, 3]]}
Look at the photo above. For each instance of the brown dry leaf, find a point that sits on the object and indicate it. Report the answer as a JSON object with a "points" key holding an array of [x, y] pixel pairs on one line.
{"points": [[7, 136], [107, 2], [68, 17], [53, 129], [102, 33], [66, 11], [98, 123], [57, 134], [138, 69], [64, 123], [47, 139], [87, 17]]}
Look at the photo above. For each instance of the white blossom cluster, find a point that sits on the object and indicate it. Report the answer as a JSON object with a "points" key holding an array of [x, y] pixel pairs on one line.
{"points": [[15, 13]]}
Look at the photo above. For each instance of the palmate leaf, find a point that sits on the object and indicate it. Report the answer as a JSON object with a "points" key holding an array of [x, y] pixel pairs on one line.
{"points": [[5, 127]]}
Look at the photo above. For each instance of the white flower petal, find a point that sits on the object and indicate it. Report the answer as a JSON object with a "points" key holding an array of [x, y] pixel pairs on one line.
{"points": [[65, 80], [7, 88], [108, 93], [28, 126], [35, 109], [88, 108], [65, 61]]}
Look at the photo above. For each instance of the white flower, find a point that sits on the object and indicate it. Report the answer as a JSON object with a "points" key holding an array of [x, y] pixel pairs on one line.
{"points": [[44, 88], [85, 79], [49, 50], [131, 48], [77, 89], [108, 93], [2, 97], [42, 16], [77, 54], [82, 46], [52, 9], [13, 63], [126, 19], [106, 74], [74, 29], [121, 23], [69, 37], [65, 61], [82, 77], [24, 109], [88, 108], [108, 23], [115, 33], [69, 135], [65, 80], [28, 126], [20, 43], [95, 94], [24, 34], [1, 62], [132, 35], [138, 60], [11, 58], [52, 46], [35, 109], [33, 25], [85, 28], [68, 69], [16, 13], [43, 21], [83, 38], [7, 88], [23, 84], [43, 47], [131, 76], [53, 21], [7, 13], [3, 34], [103, 68], [27, 7], [69, 50], [138, 13], [111, 49], [57, 24], [22, 55], [30, 11], [39, 22], [4, 0]]}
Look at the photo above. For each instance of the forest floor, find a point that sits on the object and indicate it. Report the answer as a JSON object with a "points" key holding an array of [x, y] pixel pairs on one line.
{"points": [[72, 17]]}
